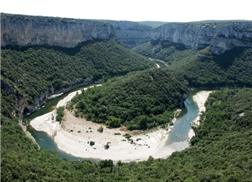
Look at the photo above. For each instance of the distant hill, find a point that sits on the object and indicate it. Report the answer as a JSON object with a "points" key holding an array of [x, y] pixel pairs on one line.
{"points": [[201, 68], [153, 24]]}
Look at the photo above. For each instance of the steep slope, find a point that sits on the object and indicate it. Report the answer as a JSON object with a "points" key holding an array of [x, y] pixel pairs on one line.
{"points": [[140, 101], [38, 72], [219, 35], [21, 30], [221, 150], [202, 68], [131, 34]]}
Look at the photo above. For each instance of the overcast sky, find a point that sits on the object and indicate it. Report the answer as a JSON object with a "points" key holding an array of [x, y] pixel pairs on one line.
{"points": [[134, 10]]}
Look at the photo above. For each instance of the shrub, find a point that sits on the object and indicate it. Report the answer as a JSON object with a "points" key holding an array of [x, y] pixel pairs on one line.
{"points": [[106, 146], [128, 136], [91, 143], [100, 129], [59, 113]]}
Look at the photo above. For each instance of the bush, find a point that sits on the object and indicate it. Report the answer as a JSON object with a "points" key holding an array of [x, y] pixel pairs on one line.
{"points": [[100, 129], [60, 113], [128, 136], [91, 143], [106, 146]]}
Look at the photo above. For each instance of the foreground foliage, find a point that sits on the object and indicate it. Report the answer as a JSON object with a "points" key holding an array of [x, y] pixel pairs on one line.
{"points": [[139, 100], [221, 151]]}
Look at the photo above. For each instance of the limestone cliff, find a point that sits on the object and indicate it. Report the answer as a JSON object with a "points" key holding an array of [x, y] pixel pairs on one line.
{"points": [[32, 30], [220, 36], [131, 34]]}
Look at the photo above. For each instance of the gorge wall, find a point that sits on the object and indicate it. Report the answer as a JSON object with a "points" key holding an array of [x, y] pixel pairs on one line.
{"points": [[131, 34], [31, 30], [28, 31], [21, 30], [220, 36]]}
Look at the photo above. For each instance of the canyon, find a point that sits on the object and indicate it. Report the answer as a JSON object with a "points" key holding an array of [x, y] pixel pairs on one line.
{"points": [[20, 30]]}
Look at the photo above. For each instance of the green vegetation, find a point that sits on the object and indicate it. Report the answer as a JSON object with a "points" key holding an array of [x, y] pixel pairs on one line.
{"points": [[35, 70], [60, 113], [220, 151], [127, 136], [202, 69], [100, 129], [107, 145], [91, 143], [140, 100]]}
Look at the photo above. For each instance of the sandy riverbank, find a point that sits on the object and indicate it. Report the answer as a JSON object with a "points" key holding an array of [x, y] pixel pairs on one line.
{"points": [[200, 98], [75, 134]]}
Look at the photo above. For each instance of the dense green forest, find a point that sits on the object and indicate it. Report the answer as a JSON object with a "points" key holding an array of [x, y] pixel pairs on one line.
{"points": [[220, 151], [140, 100], [33, 70], [203, 69]]}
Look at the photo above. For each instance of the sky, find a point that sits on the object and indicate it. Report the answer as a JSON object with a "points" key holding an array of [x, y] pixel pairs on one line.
{"points": [[133, 10]]}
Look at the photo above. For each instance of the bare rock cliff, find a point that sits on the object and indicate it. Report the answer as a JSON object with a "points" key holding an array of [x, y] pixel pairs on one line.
{"points": [[27, 31], [131, 34], [220, 36], [19, 30]]}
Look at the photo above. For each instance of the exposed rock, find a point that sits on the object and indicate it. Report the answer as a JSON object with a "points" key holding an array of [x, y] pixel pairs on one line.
{"points": [[131, 34], [220, 36], [27, 109], [21, 30]]}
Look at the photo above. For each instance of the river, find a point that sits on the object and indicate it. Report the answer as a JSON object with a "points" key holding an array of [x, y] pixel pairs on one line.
{"points": [[178, 134]]}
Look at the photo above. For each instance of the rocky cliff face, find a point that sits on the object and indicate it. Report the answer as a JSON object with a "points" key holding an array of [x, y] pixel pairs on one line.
{"points": [[220, 36], [31, 30], [131, 34], [27, 31]]}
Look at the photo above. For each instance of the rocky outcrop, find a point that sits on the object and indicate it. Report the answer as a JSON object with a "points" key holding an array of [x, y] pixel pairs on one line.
{"points": [[220, 36], [18, 30], [27, 109], [131, 34]]}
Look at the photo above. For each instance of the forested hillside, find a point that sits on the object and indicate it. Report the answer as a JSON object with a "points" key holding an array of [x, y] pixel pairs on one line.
{"points": [[34, 70], [140, 100], [221, 151], [201, 68], [135, 94]]}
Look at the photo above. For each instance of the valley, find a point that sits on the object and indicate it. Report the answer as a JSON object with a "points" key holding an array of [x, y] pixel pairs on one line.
{"points": [[133, 109]]}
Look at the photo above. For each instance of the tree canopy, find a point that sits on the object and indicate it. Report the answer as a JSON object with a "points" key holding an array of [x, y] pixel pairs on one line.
{"points": [[139, 100]]}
